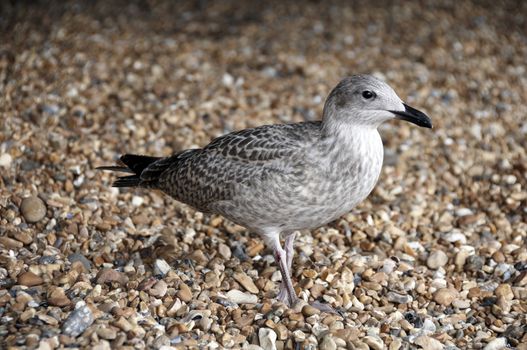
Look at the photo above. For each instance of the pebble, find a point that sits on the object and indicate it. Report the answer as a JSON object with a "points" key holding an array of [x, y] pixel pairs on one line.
{"points": [[78, 320], [161, 267], [445, 296], [504, 290], [474, 263], [29, 279], [428, 343], [240, 297], [58, 298], [374, 342], [328, 343], [246, 282], [267, 338], [184, 293], [159, 289], [224, 251], [5, 160], [308, 310], [299, 336], [436, 259], [110, 275], [399, 298], [496, 344], [80, 258], [33, 209]]}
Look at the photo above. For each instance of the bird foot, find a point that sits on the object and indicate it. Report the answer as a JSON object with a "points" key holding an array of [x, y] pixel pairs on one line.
{"points": [[323, 307]]}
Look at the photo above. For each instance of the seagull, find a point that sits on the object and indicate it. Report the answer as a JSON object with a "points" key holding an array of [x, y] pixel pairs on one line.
{"points": [[279, 179]]}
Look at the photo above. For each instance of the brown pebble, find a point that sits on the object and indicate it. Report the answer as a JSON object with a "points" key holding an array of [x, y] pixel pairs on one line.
{"points": [[184, 293], [246, 282], [110, 275], [29, 279], [504, 290], [57, 297], [445, 296], [33, 209], [309, 310], [10, 243]]}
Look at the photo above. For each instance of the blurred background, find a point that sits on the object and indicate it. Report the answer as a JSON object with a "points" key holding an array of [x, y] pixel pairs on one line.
{"points": [[82, 82]]}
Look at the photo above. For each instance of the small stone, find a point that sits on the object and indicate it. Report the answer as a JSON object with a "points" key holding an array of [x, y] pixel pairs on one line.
{"points": [[24, 237], [110, 275], [78, 320], [267, 338], [436, 259], [445, 296], [224, 251], [428, 343], [159, 289], [33, 209], [504, 290], [184, 293], [246, 282], [474, 263], [496, 344], [10, 243], [399, 298], [29, 279], [5, 160], [58, 298], [80, 258], [240, 297], [108, 333], [328, 343], [374, 342], [299, 336], [309, 310], [161, 267]]}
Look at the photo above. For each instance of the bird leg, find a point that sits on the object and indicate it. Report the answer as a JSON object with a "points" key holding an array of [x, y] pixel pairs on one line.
{"points": [[289, 253], [287, 292]]}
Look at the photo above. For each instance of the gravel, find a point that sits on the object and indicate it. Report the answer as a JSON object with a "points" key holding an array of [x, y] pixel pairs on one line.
{"points": [[435, 258]]}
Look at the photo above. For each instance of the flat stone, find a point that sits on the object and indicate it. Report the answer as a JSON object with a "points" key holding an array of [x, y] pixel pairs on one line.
{"points": [[308, 310], [159, 289], [267, 338], [399, 298], [496, 344], [29, 279], [428, 343], [107, 275], [161, 267], [504, 290], [224, 251], [58, 298], [80, 258], [33, 209], [184, 293], [436, 259], [240, 297], [328, 343], [374, 342], [78, 320], [445, 296], [246, 282]]}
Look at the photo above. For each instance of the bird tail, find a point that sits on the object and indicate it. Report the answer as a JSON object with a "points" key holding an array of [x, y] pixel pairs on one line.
{"points": [[133, 164]]}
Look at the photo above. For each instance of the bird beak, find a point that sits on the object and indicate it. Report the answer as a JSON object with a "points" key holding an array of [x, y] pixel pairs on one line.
{"points": [[414, 116]]}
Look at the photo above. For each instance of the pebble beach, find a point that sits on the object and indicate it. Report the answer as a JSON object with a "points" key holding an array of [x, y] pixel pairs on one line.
{"points": [[435, 258]]}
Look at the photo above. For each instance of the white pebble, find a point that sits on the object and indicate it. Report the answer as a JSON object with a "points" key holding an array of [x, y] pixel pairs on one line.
{"points": [[137, 201], [240, 297], [5, 160], [267, 338], [496, 344]]}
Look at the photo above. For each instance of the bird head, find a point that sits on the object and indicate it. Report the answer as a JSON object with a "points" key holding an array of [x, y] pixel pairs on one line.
{"points": [[368, 101]]}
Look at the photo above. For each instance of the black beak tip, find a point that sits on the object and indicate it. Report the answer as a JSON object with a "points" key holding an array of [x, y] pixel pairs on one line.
{"points": [[414, 116]]}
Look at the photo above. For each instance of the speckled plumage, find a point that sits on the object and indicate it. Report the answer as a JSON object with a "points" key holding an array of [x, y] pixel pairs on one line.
{"points": [[281, 178]]}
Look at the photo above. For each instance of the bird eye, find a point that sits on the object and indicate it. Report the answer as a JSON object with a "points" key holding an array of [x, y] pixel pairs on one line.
{"points": [[367, 94]]}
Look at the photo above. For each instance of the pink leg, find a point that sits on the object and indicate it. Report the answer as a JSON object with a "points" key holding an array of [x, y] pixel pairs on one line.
{"points": [[287, 292]]}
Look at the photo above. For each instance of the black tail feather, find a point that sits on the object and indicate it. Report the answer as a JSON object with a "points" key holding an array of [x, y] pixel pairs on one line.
{"points": [[135, 164]]}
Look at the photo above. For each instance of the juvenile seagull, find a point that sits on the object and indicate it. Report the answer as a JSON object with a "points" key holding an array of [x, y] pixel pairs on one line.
{"points": [[278, 179]]}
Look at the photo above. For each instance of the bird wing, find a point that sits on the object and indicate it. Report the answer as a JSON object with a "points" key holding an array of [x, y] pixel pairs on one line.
{"points": [[203, 176]]}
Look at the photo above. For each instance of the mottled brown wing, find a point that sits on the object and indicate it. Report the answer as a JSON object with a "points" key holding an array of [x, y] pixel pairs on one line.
{"points": [[200, 177]]}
